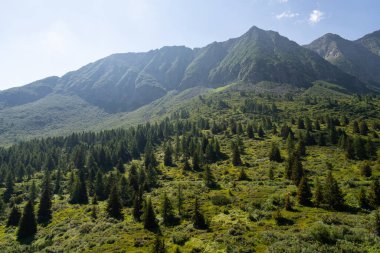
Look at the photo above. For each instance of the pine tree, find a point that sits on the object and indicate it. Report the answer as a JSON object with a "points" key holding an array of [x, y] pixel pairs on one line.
{"points": [[28, 225], [275, 154], [14, 216], [365, 170], [168, 156], [196, 163], [332, 193], [376, 223], [158, 246], [301, 148], [261, 132], [125, 192], [57, 184], [114, 205], [79, 191], [137, 212], [288, 202], [243, 175], [186, 165], [363, 200], [150, 221], [374, 194], [304, 193], [9, 188], [318, 193], [120, 167], [198, 219], [236, 160], [355, 127], [44, 212], [99, 186], [209, 178], [297, 171], [33, 191], [167, 211], [250, 132]]}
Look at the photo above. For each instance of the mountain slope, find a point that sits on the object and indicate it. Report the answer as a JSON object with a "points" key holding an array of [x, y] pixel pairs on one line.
{"points": [[371, 42], [350, 56], [122, 83]]}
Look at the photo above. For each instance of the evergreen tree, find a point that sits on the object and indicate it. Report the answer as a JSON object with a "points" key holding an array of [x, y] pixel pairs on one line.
{"points": [[297, 171], [318, 193], [374, 194], [376, 223], [186, 165], [288, 202], [250, 132], [355, 127], [365, 170], [198, 219], [236, 160], [137, 212], [167, 211], [158, 246], [168, 156], [120, 167], [125, 192], [363, 128], [150, 221], [28, 225], [196, 163], [332, 193], [114, 205], [79, 191], [44, 212], [99, 186], [33, 191], [243, 175], [261, 132], [363, 200], [301, 148], [304, 193], [14, 216], [275, 154], [9, 188], [57, 184], [209, 178]]}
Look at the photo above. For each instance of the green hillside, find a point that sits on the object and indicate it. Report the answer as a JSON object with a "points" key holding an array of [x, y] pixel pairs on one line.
{"points": [[233, 169]]}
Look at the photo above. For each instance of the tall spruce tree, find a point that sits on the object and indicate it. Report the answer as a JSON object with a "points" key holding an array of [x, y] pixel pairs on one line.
{"points": [[99, 186], [114, 205], [9, 188], [318, 193], [168, 217], [304, 194], [275, 154], [150, 221], [44, 212], [209, 178], [236, 160], [332, 194], [14, 216], [79, 191], [28, 226], [374, 194], [198, 219]]}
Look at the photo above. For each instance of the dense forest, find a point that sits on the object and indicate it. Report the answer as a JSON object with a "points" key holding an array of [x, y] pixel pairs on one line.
{"points": [[232, 171]]}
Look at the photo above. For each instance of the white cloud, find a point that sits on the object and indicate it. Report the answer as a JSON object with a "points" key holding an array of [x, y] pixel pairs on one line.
{"points": [[287, 14], [316, 16]]}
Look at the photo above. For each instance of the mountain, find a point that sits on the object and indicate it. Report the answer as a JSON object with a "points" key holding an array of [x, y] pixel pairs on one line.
{"points": [[371, 42], [359, 58], [121, 83]]}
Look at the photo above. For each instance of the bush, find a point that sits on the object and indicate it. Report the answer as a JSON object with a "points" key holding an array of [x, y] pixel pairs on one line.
{"points": [[220, 200]]}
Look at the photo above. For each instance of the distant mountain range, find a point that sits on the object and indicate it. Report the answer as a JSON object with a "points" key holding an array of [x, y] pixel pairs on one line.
{"points": [[121, 83], [360, 58]]}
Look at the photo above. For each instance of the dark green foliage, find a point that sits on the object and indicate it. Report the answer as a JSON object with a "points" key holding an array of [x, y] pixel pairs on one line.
{"points": [[9, 188], [288, 203], [236, 160], [33, 191], [186, 165], [304, 194], [114, 205], [79, 192], [198, 219], [275, 154], [167, 211], [363, 200], [120, 167], [168, 155], [365, 170], [297, 171], [209, 178], [28, 225], [250, 132], [44, 212], [149, 219], [318, 193], [57, 184], [243, 175], [99, 186], [374, 194], [376, 223], [158, 245], [137, 207], [333, 196], [14, 216]]}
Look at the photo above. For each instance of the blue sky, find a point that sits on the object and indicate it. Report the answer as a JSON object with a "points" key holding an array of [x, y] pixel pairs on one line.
{"points": [[40, 38]]}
